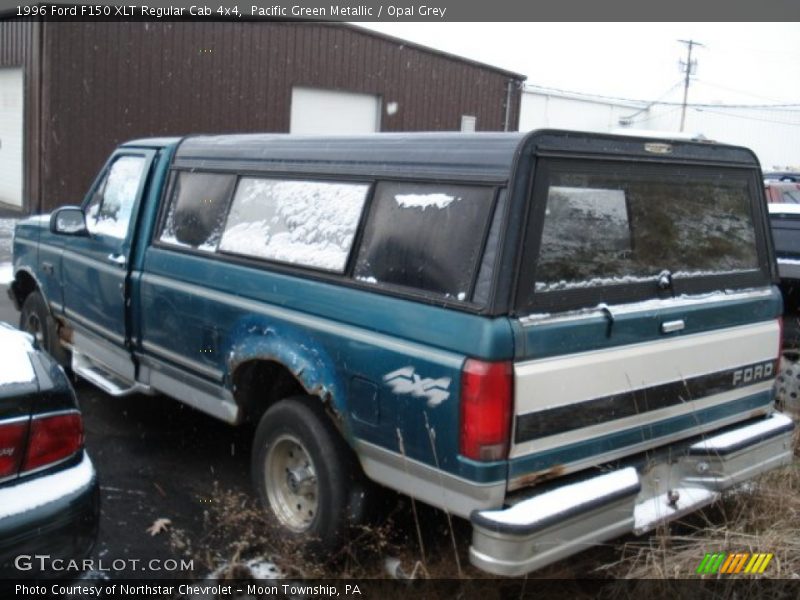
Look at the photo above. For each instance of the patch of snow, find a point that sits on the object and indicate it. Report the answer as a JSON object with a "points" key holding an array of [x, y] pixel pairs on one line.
{"points": [[6, 273], [299, 222], [367, 279], [168, 238], [16, 365], [708, 273], [112, 216], [29, 495], [777, 208], [653, 511], [650, 305], [264, 569], [722, 442], [6, 236], [789, 261], [628, 279], [423, 201], [563, 499], [541, 286]]}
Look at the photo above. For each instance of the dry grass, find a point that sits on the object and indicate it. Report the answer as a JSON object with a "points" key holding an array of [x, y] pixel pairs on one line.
{"points": [[762, 517]]}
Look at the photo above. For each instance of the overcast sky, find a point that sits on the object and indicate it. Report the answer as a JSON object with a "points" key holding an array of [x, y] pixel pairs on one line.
{"points": [[741, 63]]}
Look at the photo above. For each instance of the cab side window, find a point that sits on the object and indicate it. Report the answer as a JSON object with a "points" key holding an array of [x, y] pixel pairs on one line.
{"points": [[109, 211], [197, 210]]}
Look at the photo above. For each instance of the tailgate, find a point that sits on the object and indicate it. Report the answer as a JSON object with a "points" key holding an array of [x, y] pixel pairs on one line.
{"points": [[584, 407]]}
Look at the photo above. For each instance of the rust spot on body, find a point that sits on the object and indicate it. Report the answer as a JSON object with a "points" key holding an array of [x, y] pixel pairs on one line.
{"points": [[65, 333], [537, 477]]}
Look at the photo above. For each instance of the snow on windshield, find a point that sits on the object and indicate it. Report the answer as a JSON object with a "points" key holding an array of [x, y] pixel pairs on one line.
{"points": [[111, 214]]}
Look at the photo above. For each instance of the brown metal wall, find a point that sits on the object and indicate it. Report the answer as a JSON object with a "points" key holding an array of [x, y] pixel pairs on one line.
{"points": [[20, 47], [109, 82]]}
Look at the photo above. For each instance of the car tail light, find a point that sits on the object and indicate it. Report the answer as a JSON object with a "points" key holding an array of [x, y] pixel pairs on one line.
{"points": [[487, 391], [52, 439], [12, 445]]}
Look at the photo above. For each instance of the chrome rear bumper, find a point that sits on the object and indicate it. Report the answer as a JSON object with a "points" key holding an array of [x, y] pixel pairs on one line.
{"points": [[552, 525]]}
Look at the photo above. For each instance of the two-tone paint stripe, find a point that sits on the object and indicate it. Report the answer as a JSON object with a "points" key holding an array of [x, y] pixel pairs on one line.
{"points": [[736, 563], [594, 411]]}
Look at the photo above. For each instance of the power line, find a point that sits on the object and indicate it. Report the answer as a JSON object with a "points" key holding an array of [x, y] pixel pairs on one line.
{"points": [[649, 105], [739, 116], [654, 116], [730, 89], [788, 106]]}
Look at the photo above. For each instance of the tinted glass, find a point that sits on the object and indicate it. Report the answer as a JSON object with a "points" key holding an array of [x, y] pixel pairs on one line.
{"points": [[786, 234], [197, 211], [483, 285], [790, 195], [308, 223], [109, 211], [619, 225], [425, 236]]}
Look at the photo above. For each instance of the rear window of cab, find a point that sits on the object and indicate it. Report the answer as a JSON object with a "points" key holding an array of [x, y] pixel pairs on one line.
{"points": [[408, 236]]}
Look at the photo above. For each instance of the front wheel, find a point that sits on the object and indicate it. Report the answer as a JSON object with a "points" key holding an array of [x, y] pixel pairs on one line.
{"points": [[35, 318], [304, 474]]}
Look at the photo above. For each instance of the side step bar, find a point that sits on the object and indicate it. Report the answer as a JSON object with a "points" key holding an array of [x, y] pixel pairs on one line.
{"points": [[104, 378]]}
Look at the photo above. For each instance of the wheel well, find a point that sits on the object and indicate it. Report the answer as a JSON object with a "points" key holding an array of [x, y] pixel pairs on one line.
{"points": [[22, 286], [258, 384]]}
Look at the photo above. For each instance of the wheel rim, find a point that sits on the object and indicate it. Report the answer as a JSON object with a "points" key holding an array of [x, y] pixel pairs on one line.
{"points": [[33, 325], [291, 482]]}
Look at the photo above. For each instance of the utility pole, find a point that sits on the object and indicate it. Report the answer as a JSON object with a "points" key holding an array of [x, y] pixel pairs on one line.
{"points": [[687, 67]]}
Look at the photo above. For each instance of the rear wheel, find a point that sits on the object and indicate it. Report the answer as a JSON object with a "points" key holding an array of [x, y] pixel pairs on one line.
{"points": [[787, 385], [305, 474], [36, 319]]}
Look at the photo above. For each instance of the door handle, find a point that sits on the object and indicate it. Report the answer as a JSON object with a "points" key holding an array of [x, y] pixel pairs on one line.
{"points": [[672, 326], [117, 259], [47, 267]]}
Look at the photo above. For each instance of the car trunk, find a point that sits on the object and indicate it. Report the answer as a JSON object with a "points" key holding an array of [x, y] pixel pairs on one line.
{"points": [[18, 391], [645, 311]]}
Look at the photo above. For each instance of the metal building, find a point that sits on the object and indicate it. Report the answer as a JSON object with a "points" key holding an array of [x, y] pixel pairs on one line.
{"points": [[71, 91]]}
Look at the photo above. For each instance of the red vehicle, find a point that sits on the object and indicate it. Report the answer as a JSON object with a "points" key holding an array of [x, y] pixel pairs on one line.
{"points": [[782, 192]]}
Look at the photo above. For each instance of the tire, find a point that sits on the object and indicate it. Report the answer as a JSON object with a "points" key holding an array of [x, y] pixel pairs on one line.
{"points": [[305, 475], [787, 386], [36, 319]]}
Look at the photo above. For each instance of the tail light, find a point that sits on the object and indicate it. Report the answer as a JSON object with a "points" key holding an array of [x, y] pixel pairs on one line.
{"points": [[12, 445], [487, 391], [52, 439]]}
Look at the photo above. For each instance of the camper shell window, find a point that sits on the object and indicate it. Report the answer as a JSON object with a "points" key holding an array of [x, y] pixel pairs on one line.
{"points": [[305, 223], [425, 236], [604, 231]]}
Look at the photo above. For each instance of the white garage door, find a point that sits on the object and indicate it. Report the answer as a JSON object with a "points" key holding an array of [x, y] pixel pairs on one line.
{"points": [[316, 111], [11, 137]]}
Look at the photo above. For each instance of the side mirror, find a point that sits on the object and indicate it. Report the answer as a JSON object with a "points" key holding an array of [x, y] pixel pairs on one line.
{"points": [[68, 220]]}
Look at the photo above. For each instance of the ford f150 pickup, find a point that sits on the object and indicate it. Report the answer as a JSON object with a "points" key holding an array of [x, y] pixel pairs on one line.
{"points": [[559, 336]]}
